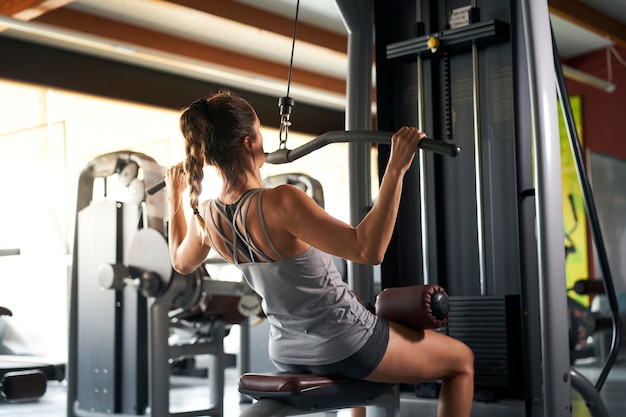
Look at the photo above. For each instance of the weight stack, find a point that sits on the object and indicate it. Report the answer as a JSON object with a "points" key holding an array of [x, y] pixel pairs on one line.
{"points": [[491, 327]]}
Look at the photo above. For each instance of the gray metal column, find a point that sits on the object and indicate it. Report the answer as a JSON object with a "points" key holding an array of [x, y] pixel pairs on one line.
{"points": [[160, 355], [358, 18], [549, 210]]}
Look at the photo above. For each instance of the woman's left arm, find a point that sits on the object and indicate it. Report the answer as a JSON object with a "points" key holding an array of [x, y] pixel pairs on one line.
{"points": [[186, 244]]}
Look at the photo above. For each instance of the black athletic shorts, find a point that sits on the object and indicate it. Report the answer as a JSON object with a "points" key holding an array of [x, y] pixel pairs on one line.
{"points": [[359, 365]]}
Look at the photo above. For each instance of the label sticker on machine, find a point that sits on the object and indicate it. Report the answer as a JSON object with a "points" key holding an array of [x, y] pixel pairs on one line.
{"points": [[460, 17]]}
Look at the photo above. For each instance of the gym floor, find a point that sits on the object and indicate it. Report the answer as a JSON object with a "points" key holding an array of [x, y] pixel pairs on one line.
{"points": [[189, 393]]}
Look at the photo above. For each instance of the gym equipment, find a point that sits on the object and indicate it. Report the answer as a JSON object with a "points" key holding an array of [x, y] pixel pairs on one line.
{"points": [[488, 88], [126, 299], [23, 385], [25, 378], [289, 394], [491, 90], [284, 155], [424, 58], [19, 385]]}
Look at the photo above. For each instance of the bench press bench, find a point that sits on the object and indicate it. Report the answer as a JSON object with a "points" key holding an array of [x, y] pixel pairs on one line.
{"points": [[289, 394]]}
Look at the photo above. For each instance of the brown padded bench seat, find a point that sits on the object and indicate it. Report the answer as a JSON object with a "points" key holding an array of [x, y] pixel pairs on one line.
{"points": [[310, 391]]}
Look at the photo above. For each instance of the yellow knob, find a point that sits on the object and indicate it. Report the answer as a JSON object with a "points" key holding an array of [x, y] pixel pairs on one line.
{"points": [[433, 44]]}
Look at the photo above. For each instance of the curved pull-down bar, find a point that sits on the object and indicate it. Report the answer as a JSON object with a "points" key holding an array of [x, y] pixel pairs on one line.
{"points": [[282, 156]]}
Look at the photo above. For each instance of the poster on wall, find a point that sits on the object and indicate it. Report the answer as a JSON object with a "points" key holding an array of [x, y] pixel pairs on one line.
{"points": [[574, 218]]}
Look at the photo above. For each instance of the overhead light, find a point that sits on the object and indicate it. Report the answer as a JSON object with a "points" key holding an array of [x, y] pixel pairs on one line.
{"points": [[588, 79]]}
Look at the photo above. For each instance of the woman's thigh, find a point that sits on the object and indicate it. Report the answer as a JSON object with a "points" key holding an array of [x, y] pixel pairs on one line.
{"points": [[416, 356]]}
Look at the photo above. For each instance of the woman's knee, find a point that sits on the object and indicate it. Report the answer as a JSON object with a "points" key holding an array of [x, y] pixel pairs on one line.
{"points": [[466, 362], [459, 358]]}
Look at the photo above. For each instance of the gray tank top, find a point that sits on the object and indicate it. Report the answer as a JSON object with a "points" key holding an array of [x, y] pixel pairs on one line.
{"points": [[314, 318]]}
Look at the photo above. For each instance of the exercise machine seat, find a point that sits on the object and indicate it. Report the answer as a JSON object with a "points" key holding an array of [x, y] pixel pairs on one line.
{"points": [[310, 391]]}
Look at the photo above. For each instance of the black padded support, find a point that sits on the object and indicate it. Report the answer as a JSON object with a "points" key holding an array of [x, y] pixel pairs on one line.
{"points": [[23, 385]]}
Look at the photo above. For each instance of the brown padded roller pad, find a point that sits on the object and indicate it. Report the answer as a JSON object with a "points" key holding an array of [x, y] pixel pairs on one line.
{"points": [[416, 306]]}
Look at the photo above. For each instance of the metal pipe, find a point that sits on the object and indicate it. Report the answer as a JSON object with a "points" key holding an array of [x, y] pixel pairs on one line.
{"points": [[589, 393], [422, 158], [358, 18], [549, 210], [478, 171], [480, 226], [282, 156], [159, 352]]}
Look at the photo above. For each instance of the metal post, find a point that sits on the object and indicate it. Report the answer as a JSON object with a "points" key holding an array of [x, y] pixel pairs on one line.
{"points": [[478, 183], [358, 18], [549, 210], [159, 331], [422, 158], [216, 369], [243, 359], [159, 359]]}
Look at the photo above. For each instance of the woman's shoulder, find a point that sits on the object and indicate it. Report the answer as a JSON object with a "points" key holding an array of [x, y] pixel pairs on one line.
{"points": [[286, 200], [282, 192]]}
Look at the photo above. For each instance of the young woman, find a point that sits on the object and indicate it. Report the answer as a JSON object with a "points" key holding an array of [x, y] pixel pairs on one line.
{"points": [[282, 241]]}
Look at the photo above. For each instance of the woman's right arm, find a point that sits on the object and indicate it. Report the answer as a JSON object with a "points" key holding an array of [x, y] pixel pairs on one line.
{"points": [[367, 242]]}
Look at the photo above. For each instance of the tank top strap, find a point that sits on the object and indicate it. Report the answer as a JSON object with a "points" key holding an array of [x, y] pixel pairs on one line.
{"points": [[264, 226], [217, 226], [243, 247]]}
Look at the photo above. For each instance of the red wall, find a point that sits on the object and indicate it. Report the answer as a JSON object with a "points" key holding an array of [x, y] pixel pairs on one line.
{"points": [[604, 114]]}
